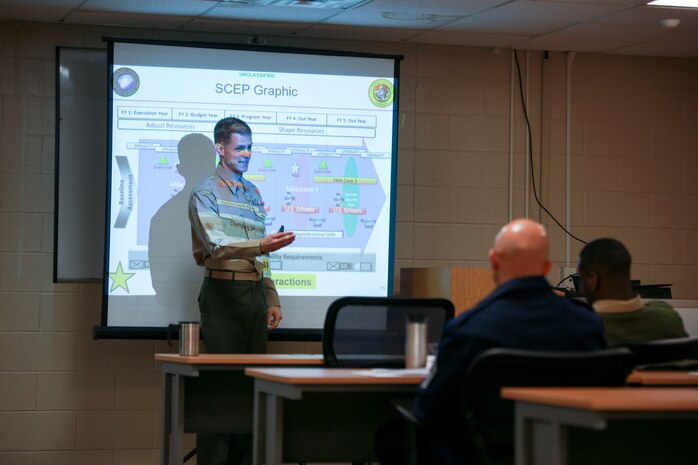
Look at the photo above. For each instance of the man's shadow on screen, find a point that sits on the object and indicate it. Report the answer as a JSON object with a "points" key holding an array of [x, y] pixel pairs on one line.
{"points": [[174, 274]]}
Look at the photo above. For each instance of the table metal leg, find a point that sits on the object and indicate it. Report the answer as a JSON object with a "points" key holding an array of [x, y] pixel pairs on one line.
{"points": [[177, 420], [258, 427], [522, 435], [539, 441], [166, 418], [274, 429], [558, 443], [542, 432]]}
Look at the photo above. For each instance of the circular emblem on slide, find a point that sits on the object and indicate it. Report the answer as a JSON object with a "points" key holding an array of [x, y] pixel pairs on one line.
{"points": [[381, 92], [125, 82]]}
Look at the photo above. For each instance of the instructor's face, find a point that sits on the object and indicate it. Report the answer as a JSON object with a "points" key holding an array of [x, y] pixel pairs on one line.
{"points": [[236, 153]]}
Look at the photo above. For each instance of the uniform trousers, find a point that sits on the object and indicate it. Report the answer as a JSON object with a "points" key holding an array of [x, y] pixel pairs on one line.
{"points": [[233, 321]]}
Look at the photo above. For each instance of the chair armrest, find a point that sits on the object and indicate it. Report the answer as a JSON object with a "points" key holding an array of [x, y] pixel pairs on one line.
{"points": [[405, 409]]}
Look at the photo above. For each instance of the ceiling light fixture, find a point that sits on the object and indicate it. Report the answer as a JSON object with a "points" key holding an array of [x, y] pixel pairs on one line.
{"points": [[336, 4], [426, 17], [675, 3]]}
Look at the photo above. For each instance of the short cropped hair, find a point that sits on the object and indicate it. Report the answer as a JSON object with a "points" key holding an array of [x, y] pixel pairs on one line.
{"points": [[605, 257], [227, 126]]}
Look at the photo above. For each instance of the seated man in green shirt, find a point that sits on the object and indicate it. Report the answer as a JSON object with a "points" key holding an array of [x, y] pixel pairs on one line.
{"points": [[604, 269]]}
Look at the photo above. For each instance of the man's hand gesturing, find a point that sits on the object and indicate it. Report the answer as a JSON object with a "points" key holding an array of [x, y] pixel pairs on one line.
{"points": [[275, 241]]}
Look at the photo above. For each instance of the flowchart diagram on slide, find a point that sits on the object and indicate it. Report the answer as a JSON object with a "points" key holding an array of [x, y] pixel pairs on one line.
{"points": [[316, 171]]}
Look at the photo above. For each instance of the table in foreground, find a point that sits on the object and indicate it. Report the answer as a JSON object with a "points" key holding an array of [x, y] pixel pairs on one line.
{"points": [[633, 425], [221, 403], [323, 415], [663, 378]]}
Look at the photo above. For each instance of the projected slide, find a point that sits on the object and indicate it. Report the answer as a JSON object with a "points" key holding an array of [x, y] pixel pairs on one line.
{"points": [[323, 159]]}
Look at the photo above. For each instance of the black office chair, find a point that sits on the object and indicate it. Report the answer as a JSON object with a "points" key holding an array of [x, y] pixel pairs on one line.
{"points": [[488, 420], [368, 332], [678, 353]]}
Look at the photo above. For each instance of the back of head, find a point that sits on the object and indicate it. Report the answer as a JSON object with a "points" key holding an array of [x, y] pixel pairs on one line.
{"points": [[604, 267], [227, 126], [521, 248]]}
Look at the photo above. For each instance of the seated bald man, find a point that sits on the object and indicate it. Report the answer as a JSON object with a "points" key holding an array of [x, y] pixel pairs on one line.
{"points": [[521, 313]]}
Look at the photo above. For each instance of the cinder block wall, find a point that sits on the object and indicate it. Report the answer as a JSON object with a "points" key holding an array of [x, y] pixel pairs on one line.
{"points": [[66, 399]]}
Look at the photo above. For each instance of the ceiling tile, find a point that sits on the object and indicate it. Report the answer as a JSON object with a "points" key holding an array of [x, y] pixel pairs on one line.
{"points": [[391, 19], [592, 37], [613, 26], [305, 3], [36, 10], [243, 27], [650, 16], [607, 2], [270, 13], [126, 19], [170, 7], [529, 17], [441, 36], [677, 45], [438, 7], [356, 33]]}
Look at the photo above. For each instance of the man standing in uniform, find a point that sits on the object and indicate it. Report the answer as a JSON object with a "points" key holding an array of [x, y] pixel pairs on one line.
{"points": [[238, 301]]}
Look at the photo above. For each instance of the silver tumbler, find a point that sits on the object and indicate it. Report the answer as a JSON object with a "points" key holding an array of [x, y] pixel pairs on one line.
{"points": [[189, 338], [416, 342]]}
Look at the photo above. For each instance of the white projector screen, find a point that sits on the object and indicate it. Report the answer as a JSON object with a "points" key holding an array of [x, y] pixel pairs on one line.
{"points": [[324, 158]]}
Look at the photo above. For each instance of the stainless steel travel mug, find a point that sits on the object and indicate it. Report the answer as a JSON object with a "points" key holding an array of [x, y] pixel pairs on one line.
{"points": [[416, 342], [189, 338]]}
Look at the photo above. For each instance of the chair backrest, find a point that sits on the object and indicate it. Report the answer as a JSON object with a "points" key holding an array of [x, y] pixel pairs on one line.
{"points": [[370, 331], [489, 419], [664, 350]]}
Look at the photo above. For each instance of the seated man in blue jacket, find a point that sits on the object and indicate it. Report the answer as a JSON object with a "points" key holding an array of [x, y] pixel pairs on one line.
{"points": [[521, 313]]}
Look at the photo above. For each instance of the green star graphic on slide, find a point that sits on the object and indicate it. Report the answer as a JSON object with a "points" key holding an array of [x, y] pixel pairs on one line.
{"points": [[119, 279]]}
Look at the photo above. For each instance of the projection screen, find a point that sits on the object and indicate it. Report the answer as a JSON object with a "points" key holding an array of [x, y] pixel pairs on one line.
{"points": [[324, 158]]}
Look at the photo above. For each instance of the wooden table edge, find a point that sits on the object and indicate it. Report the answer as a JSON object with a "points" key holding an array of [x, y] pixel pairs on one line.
{"points": [[242, 359], [608, 398], [328, 376]]}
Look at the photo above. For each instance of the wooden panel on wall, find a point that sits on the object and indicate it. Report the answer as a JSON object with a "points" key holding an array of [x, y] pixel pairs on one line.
{"points": [[465, 287]]}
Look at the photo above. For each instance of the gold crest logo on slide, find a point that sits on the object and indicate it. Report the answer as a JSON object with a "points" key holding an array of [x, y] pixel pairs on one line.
{"points": [[381, 92], [125, 82]]}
